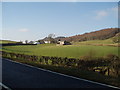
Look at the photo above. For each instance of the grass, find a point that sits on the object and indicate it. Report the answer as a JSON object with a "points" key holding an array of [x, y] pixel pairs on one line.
{"points": [[70, 51], [106, 41], [6, 41]]}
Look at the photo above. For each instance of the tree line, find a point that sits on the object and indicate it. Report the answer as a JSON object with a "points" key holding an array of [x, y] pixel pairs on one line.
{"points": [[96, 35]]}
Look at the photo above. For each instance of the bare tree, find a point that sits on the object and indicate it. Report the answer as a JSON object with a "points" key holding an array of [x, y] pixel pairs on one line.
{"points": [[26, 41], [51, 38], [31, 42], [51, 35]]}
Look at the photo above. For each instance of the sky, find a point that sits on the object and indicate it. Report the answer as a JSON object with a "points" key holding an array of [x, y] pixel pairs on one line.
{"points": [[36, 20]]}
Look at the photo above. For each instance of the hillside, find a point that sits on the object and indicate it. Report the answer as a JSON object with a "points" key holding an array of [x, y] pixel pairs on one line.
{"points": [[96, 35], [111, 40]]}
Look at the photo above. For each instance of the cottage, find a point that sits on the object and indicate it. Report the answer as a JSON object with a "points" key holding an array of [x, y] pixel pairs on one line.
{"points": [[40, 42], [36, 43], [64, 43], [47, 41], [61, 42]]}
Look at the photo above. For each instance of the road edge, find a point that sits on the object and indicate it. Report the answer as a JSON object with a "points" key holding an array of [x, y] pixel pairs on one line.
{"points": [[63, 74], [4, 86]]}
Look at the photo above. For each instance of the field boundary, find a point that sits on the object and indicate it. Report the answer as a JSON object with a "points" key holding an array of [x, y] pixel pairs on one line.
{"points": [[64, 74], [15, 44]]}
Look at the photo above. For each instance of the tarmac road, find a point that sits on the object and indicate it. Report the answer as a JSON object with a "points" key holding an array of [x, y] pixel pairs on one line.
{"points": [[15, 75]]}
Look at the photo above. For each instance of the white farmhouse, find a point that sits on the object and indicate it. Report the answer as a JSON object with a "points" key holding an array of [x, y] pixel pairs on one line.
{"points": [[47, 41], [36, 42], [61, 42], [64, 43]]}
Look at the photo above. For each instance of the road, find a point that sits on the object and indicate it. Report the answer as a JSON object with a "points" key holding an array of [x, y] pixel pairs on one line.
{"points": [[15, 75]]}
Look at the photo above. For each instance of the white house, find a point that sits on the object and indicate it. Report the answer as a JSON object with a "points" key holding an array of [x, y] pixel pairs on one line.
{"points": [[24, 42], [64, 43], [61, 42], [47, 41], [36, 42]]}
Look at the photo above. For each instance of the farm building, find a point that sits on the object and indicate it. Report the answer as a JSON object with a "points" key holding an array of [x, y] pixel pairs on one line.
{"points": [[37, 43], [49, 40], [64, 43], [46, 40], [40, 42], [34, 42], [61, 42]]}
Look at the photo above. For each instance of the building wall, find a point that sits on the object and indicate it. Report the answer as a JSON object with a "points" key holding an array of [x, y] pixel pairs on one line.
{"points": [[47, 41], [61, 42]]}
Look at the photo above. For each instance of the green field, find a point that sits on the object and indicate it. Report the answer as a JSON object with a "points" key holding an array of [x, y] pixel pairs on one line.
{"points": [[106, 41], [71, 51], [6, 41]]}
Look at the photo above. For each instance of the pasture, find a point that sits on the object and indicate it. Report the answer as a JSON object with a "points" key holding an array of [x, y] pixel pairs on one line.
{"points": [[6, 41], [70, 51], [106, 41]]}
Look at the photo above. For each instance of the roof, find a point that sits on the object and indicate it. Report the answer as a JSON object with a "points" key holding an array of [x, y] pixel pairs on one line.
{"points": [[46, 39]]}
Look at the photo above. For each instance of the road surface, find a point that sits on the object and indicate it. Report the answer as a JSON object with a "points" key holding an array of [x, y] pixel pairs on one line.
{"points": [[15, 75]]}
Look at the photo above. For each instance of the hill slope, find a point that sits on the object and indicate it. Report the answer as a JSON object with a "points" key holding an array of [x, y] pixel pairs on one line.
{"points": [[96, 35]]}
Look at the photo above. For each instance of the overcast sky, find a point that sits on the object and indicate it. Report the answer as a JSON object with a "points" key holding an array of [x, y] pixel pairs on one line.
{"points": [[35, 20]]}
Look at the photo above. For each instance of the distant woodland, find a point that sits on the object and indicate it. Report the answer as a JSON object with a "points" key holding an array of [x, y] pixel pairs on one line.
{"points": [[96, 35]]}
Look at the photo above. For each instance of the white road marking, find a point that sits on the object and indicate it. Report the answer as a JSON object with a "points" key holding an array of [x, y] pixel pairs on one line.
{"points": [[63, 74], [1, 84]]}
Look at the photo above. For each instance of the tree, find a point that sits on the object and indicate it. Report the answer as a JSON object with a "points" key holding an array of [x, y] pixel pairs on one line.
{"points": [[114, 64], [31, 42], [26, 41], [51, 38], [116, 38], [51, 35]]}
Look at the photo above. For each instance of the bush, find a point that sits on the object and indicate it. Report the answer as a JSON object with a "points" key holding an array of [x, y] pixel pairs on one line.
{"points": [[116, 39]]}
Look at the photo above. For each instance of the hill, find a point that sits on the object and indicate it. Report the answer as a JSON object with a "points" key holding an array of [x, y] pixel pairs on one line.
{"points": [[113, 41], [96, 35]]}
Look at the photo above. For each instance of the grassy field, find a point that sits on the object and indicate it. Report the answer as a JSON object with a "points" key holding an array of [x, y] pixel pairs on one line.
{"points": [[71, 51], [106, 41], [6, 41]]}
